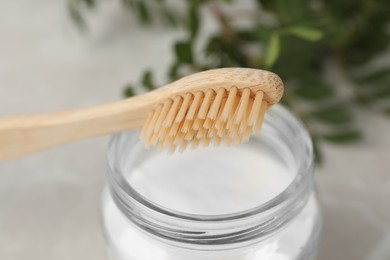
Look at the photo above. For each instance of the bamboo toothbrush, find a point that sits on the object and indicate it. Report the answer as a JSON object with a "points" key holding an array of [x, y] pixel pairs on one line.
{"points": [[221, 105]]}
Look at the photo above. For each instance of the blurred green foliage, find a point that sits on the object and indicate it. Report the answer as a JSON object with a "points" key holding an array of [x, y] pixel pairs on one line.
{"points": [[295, 39]]}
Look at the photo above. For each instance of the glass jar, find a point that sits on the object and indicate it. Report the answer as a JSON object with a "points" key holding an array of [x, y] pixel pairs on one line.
{"points": [[253, 201]]}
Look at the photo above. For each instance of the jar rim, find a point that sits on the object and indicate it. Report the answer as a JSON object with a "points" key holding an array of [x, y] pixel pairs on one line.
{"points": [[132, 200]]}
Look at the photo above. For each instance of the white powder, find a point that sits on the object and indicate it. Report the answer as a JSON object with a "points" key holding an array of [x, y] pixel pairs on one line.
{"points": [[211, 181], [127, 242]]}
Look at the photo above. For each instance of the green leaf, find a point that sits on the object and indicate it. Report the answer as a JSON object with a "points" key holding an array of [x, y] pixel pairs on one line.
{"points": [[383, 92], [143, 13], [363, 100], [248, 35], [169, 17], [90, 3], [261, 32], [213, 45], [129, 91], [76, 16], [173, 71], [343, 137], [147, 80], [317, 151], [193, 19], [333, 115], [314, 92], [305, 32], [288, 11], [273, 50], [129, 3], [387, 111], [183, 51], [377, 76]]}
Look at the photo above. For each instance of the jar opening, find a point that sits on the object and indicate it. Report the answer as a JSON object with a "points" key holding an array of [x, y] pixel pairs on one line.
{"points": [[215, 185], [211, 181]]}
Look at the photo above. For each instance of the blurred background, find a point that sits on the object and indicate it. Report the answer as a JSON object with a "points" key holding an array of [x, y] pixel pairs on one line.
{"points": [[333, 56]]}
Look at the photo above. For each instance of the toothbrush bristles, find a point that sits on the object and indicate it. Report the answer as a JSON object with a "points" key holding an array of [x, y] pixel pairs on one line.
{"points": [[218, 117]]}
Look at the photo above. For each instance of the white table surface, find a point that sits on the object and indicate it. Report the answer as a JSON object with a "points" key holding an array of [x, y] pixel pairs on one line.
{"points": [[49, 202]]}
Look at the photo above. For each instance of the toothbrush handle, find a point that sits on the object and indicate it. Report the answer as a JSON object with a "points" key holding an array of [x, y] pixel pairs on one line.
{"points": [[22, 135]]}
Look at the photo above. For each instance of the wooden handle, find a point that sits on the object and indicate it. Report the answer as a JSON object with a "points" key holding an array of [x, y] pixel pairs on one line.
{"points": [[22, 135]]}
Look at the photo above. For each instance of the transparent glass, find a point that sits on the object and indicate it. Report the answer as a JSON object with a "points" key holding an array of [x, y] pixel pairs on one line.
{"points": [[253, 201]]}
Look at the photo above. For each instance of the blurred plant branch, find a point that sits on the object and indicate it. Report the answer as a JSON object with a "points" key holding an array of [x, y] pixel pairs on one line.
{"points": [[295, 41]]}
